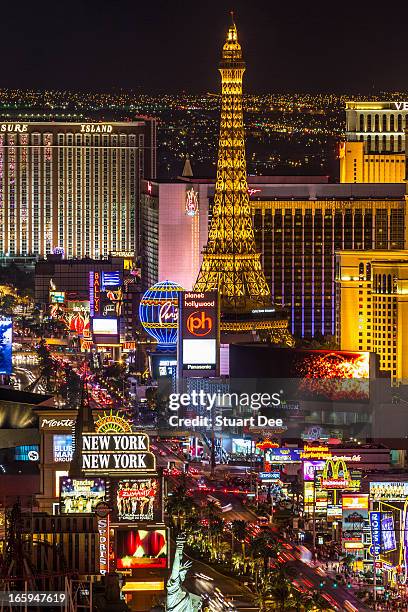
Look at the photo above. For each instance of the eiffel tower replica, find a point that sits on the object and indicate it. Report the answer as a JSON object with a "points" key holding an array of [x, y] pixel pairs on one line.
{"points": [[231, 264]]}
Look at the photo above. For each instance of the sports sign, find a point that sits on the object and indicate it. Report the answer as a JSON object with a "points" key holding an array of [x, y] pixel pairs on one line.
{"points": [[115, 453]]}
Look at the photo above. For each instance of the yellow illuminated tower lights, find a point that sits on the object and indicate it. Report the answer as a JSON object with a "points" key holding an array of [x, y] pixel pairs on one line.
{"points": [[231, 263]]}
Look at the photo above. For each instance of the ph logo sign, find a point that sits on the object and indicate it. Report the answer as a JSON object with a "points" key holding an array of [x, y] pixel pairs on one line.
{"points": [[199, 323]]}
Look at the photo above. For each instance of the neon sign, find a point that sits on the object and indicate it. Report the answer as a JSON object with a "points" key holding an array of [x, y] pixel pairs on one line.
{"points": [[94, 293], [191, 202], [335, 475], [103, 530], [14, 127], [92, 128]]}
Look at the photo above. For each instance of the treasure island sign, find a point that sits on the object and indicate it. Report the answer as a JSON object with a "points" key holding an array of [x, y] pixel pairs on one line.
{"points": [[113, 453]]}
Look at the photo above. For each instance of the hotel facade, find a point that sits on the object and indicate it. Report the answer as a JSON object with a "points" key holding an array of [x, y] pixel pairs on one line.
{"points": [[372, 306], [72, 187], [374, 148], [298, 226]]}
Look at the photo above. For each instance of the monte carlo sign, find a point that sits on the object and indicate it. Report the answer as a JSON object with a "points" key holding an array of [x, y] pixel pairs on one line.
{"points": [[112, 453]]}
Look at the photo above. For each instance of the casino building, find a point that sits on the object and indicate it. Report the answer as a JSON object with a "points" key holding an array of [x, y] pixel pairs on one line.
{"points": [[372, 306], [374, 149], [72, 186], [299, 222]]}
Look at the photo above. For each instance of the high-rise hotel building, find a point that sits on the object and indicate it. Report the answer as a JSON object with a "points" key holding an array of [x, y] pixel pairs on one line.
{"points": [[298, 227], [73, 186], [372, 306], [374, 149]]}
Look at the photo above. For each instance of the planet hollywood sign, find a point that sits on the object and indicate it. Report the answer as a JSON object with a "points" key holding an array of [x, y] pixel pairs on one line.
{"points": [[116, 453]]}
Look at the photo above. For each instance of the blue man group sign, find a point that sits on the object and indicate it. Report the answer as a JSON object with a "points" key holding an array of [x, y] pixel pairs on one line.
{"points": [[6, 339]]}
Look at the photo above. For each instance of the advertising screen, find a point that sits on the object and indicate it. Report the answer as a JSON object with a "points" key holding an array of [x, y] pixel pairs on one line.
{"points": [[104, 327], [355, 515], [310, 467], [138, 499], [81, 494], [200, 353], [354, 501], [283, 455], [388, 537], [162, 365], [310, 375], [141, 548], [241, 446], [6, 341], [388, 491], [199, 335], [63, 449]]}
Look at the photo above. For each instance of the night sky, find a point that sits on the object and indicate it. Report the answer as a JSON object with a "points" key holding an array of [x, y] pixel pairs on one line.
{"points": [[164, 45]]}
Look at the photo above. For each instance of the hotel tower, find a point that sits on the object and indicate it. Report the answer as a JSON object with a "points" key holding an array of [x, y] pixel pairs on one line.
{"points": [[72, 187]]}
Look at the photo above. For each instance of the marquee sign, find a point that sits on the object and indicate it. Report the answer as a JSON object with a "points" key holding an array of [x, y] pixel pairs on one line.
{"points": [[103, 530], [115, 453]]}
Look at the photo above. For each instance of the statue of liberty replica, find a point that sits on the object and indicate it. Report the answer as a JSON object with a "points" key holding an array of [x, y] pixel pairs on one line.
{"points": [[178, 598]]}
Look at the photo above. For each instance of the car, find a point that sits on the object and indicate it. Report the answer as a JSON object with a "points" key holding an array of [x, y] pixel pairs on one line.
{"points": [[263, 520], [226, 508], [214, 500]]}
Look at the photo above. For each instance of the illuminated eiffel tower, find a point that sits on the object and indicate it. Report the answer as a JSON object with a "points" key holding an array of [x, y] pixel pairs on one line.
{"points": [[231, 263]]}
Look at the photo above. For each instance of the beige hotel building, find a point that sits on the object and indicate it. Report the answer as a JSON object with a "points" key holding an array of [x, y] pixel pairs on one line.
{"points": [[72, 186], [374, 149]]}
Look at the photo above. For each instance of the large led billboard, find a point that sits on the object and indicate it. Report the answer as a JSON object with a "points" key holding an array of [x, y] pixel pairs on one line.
{"points": [[6, 341], [104, 327], [81, 494], [305, 374], [141, 548], [199, 332], [138, 499], [310, 468], [389, 491], [105, 330]]}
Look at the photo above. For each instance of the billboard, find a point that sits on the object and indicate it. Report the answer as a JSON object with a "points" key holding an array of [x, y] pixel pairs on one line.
{"points": [[388, 535], [81, 494], [138, 499], [63, 447], [104, 327], [6, 342], [309, 469], [283, 455], [141, 548], [105, 330], [354, 501], [310, 375], [354, 518], [388, 491], [198, 343]]}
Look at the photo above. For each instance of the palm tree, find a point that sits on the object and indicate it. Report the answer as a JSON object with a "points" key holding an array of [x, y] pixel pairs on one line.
{"points": [[180, 506], [266, 547], [261, 596], [281, 585], [239, 532], [319, 603], [300, 602]]}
